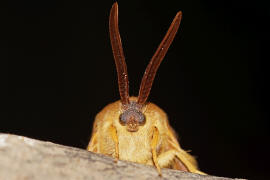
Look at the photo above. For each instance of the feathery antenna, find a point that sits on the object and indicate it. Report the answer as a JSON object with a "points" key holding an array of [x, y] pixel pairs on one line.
{"points": [[118, 54], [150, 72]]}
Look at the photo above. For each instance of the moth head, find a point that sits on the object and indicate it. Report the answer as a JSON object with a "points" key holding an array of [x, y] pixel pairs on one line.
{"points": [[132, 115]]}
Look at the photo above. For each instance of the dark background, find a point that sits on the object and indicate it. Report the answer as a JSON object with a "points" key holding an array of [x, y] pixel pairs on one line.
{"points": [[57, 72]]}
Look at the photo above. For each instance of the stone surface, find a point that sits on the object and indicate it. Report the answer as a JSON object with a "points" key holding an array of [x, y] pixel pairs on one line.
{"points": [[23, 158]]}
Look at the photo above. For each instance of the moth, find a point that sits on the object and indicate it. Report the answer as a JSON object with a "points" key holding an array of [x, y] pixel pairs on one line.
{"points": [[133, 129]]}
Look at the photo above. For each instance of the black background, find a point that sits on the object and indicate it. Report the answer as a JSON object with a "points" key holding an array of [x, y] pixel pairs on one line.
{"points": [[57, 72]]}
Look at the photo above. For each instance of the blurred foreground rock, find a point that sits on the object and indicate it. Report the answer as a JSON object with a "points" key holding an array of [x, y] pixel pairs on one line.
{"points": [[23, 158]]}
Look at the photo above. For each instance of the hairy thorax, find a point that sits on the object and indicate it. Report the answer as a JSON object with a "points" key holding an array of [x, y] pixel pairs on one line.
{"points": [[133, 146]]}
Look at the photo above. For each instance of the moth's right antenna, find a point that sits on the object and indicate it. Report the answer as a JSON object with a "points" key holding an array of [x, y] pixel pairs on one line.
{"points": [[118, 54]]}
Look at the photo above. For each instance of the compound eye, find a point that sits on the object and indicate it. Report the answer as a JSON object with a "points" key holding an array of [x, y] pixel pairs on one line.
{"points": [[122, 120], [132, 116], [141, 118]]}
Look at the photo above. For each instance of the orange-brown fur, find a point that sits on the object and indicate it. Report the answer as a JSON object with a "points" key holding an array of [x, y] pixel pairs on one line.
{"points": [[136, 146]]}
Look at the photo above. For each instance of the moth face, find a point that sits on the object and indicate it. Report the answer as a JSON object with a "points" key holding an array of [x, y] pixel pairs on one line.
{"points": [[132, 118]]}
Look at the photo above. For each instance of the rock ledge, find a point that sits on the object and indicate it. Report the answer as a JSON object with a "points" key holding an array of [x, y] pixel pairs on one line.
{"points": [[29, 159]]}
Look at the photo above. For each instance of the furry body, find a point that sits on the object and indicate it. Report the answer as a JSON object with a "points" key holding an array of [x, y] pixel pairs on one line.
{"points": [[136, 146]]}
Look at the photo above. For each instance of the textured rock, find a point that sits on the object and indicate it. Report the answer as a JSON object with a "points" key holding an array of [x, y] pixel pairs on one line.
{"points": [[28, 159]]}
